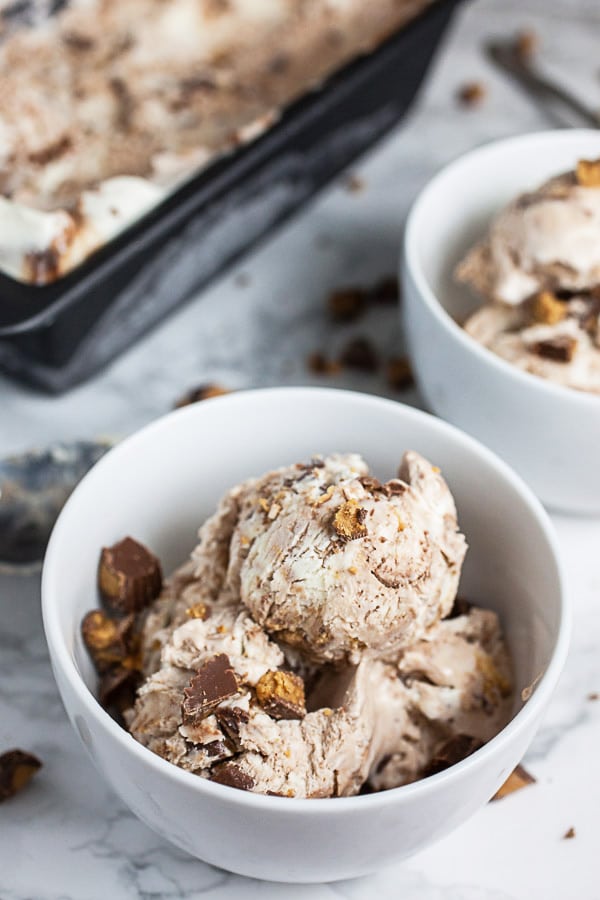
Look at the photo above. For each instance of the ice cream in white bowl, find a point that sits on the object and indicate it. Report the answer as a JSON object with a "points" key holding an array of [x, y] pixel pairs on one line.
{"points": [[547, 431], [163, 482]]}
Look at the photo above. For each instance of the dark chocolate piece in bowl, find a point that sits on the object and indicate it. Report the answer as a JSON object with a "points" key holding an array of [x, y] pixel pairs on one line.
{"points": [[213, 683], [129, 577]]}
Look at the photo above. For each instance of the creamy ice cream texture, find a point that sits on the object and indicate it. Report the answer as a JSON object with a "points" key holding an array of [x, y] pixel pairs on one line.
{"points": [[543, 244], [316, 641]]}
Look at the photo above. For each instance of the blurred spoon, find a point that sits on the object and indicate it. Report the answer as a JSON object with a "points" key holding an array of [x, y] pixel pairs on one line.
{"points": [[557, 100], [34, 486]]}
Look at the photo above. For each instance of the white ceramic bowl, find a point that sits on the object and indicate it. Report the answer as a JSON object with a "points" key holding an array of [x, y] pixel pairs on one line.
{"points": [[548, 433], [161, 483]]}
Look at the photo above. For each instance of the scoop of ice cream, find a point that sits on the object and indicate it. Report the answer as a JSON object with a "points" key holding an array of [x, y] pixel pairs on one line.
{"points": [[376, 722], [458, 684], [548, 239], [336, 564]]}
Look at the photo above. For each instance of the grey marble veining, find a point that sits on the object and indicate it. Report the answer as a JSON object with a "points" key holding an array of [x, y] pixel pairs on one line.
{"points": [[67, 837]]}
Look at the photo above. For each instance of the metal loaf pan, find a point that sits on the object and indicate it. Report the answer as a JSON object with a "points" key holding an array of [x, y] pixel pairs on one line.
{"points": [[55, 336]]}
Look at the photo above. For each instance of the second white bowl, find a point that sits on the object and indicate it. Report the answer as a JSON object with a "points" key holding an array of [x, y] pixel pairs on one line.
{"points": [[548, 433]]}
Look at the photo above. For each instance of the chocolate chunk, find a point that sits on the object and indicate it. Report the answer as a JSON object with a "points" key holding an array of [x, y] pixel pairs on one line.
{"points": [[214, 682], [349, 519], [455, 749], [129, 576], [42, 266], [74, 40], [346, 304], [108, 641], [281, 694], [232, 776], [202, 392], [394, 487], [51, 151], [319, 364], [518, 779], [471, 94], [17, 768], [593, 696], [359, 354], [216, 750], [373, 485], [386, 291], [116, 689], [558, 349], [569, 834], [398, 373], [229, 719], [461, 608]]}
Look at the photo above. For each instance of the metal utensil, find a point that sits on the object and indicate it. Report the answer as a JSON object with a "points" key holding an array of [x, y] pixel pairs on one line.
{"points": [[34, 486], [563, 106]]}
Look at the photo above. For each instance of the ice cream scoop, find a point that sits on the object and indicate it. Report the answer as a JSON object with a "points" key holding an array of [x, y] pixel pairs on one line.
{"points": [[376, 723], [334, 563], [548, 239]]}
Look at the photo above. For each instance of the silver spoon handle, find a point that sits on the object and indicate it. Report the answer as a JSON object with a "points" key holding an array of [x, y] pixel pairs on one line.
{"points": [[542, 89]]}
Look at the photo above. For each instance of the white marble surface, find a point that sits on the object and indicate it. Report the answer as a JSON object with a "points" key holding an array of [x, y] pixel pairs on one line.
{"points": [[67, 837]]}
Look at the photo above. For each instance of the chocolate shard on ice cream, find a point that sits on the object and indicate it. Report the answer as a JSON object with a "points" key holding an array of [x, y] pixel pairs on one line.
{"points": [[307, 650], [538, 272]]}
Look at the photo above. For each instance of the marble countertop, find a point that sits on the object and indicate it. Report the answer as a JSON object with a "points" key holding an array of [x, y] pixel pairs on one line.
{"points": [[67, 837]]}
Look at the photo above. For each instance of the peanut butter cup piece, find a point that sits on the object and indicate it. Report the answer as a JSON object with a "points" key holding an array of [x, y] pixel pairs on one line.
{"points": [[232, 776], [398, 373], [229, 719], [198, 611], [214, 682], [107, 640], [129, 576], [546, 308], [319, 364], [559, 349], [281, 694], [346, 304], [17, 768], [202, 392], [517, 780], [360, 354], [349, 520], [371, 484], [471, 94], [116, 689], [587, 173]]}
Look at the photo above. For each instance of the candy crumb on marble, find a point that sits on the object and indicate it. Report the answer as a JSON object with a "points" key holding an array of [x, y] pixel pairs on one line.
{"points": [[17, 768], [517, 780]]}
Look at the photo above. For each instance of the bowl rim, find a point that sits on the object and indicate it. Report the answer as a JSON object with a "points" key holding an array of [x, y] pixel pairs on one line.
{"points": [[62, 656], [520, 378]]}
